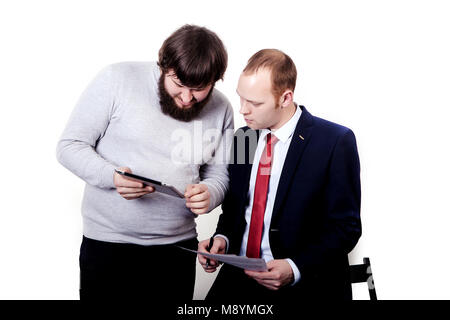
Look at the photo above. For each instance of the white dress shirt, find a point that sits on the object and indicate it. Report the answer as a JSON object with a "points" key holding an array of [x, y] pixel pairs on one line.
{"points": [[280, 149]]}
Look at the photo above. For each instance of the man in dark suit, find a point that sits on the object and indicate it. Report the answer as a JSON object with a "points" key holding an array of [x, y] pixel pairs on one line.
{"points": [[294, 195]]}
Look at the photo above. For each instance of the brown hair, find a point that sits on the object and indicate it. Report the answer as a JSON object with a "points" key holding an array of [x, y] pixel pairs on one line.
{"points": [[283, 70], [196, 54]]}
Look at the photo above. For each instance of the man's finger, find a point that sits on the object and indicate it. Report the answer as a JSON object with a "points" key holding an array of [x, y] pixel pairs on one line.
{"points": [[259, 275], [201, 259], [273, 283], [191, 190], [197, 205], [124, 190], [213, 263], [272, 264], [210, 269], [124, 182], [202, 246], [199, 197], [131, 196], [199, 211]]}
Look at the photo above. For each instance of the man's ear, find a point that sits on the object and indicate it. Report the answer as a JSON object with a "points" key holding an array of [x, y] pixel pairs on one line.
{"points": [[286, 98]]}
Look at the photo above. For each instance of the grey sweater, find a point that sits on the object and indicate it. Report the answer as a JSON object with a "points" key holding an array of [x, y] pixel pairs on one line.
{"points": [[118, 122]]}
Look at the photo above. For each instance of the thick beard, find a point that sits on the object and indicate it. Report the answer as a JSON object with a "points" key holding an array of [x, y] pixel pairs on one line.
{"points": [[170, 108]]}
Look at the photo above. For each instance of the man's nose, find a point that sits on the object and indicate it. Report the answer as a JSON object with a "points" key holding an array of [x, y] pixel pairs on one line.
{"points": [[244, 108], [186, 95]]}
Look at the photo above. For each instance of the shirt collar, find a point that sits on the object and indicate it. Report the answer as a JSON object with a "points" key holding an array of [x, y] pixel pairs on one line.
{"points": [[287, 130]]}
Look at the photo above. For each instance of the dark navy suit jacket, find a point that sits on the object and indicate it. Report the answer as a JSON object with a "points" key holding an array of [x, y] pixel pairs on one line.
{"points": [[316, 215]]}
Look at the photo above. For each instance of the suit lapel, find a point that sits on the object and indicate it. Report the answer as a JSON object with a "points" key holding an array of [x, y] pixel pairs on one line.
{"points": [[298, 144]]}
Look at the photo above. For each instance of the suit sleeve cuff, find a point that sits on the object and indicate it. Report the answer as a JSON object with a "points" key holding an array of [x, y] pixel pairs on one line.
{"points": [[295, 270]]}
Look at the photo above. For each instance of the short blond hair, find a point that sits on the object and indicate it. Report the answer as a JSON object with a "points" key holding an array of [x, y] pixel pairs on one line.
{"points": [[281, 66]]}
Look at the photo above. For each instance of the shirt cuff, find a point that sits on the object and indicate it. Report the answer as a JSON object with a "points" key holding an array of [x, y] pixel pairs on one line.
{"points": [[297, 275], [226, 240]]}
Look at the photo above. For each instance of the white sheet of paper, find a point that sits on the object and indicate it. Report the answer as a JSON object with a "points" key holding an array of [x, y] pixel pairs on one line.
{"points": [[254, 264]]}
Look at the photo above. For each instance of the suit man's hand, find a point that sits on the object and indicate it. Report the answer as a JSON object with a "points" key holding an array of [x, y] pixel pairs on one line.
{"points": [[219, 246], [197, 198], [130, 189], [279, 275]]}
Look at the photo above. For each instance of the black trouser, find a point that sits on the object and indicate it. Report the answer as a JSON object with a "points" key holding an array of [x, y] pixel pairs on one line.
{"points": [[232, 284], [117, 271]]}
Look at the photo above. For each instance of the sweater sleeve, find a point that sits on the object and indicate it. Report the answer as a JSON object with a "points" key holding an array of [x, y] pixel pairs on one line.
{"points": [[214, 174], [86, 126]]}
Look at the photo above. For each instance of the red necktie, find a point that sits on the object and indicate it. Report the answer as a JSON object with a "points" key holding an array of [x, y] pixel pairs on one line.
{"points": [[260, 199]]}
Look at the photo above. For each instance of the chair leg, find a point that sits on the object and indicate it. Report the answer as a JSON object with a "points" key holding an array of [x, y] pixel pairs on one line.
{"points": [[370, 282]]}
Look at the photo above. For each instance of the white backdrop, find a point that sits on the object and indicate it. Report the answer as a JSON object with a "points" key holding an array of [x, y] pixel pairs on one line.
{"points": [[379, 67]]}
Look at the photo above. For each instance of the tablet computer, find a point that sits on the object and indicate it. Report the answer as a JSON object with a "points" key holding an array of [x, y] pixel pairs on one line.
{"points": [[159, 186]]}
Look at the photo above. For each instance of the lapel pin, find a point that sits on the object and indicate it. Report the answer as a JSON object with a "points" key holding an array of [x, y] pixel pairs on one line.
{"points": [[301, 137]]}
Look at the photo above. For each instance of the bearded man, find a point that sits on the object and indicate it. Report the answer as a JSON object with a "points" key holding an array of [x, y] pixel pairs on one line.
{"points": [[163, 120]]}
